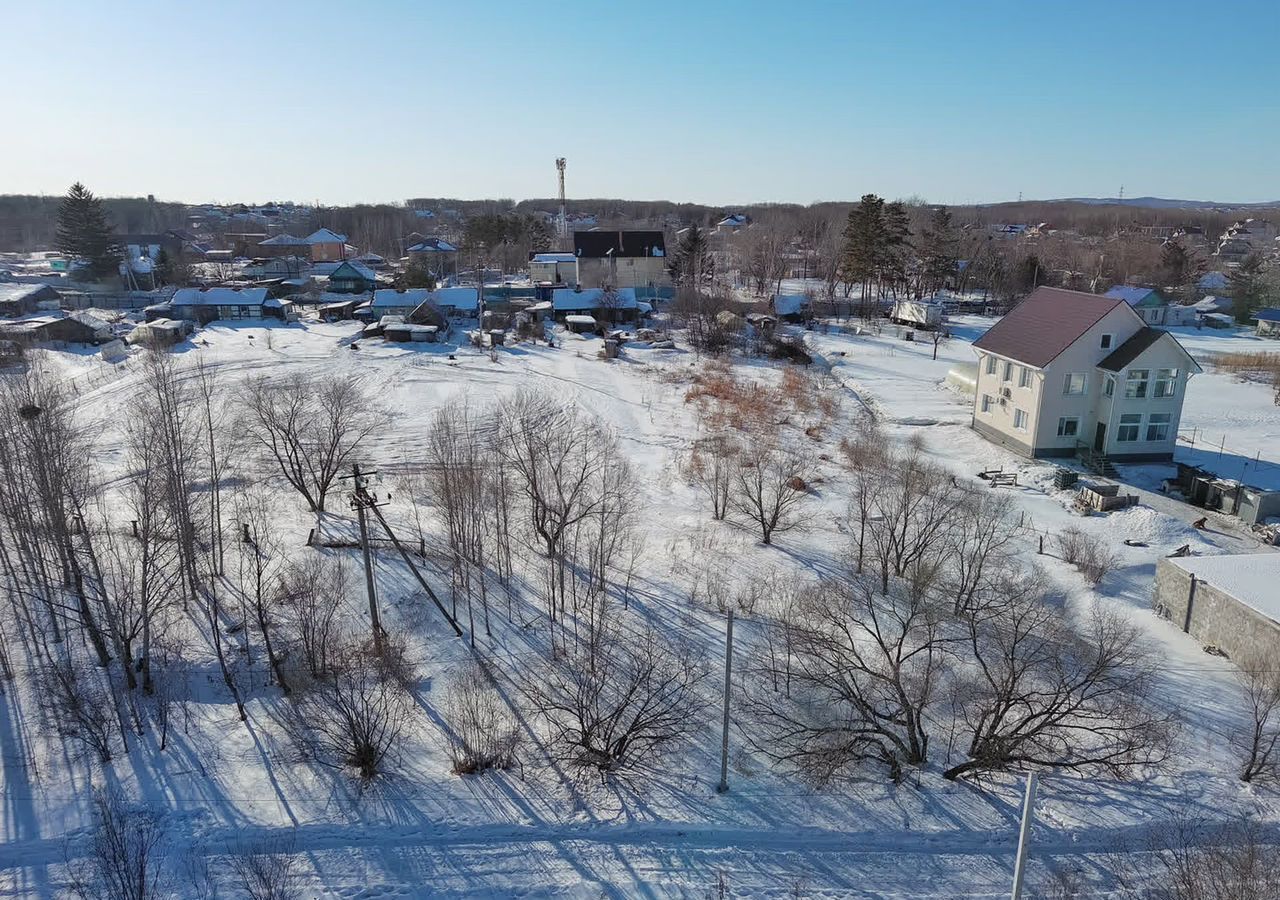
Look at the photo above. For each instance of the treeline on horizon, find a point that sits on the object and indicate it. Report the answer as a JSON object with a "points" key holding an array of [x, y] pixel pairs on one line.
{"points": [[28, 222]]}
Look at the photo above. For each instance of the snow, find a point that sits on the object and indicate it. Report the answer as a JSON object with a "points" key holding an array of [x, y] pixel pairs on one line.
{"points": [[563, 299], [325, 236], [1251, 578], [536, 832], [218, 297], [790, 304]]}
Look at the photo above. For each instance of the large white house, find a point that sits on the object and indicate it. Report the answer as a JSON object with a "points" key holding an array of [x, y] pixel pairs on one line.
{"points": [[1067, 373]]}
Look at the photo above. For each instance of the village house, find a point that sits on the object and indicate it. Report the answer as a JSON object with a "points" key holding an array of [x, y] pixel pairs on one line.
{"points": [[391, 302], [603, 305], [553, 268], [285, 245], [203, 305], [1067, 373], [352, 277], [621, 259], [1147, 302], [438, 255], [74, 328], [326, 245]]}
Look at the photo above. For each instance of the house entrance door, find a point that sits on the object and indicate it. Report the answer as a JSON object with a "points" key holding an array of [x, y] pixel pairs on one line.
{"points": [[1100, 438]]}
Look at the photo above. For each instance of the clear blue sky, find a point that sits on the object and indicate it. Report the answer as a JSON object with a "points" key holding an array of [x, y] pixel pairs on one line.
{"points": [[700, 100]]}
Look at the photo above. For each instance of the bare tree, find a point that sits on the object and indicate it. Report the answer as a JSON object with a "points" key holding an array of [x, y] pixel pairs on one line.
{"points": [[261, 558], [620, 701], [312, 592], [1087, 553], [357, 713], [1257, 741], [1190, 858], [484, 731], [125, 854], [980, 556], [80, 707], [711, 468], [851, 676], [311, 428], [266, 869], [913, 508], [1044, 696], [770, 483]]}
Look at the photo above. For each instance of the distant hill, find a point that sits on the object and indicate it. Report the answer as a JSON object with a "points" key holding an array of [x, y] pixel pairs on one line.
{"points": [[1163, 203]]}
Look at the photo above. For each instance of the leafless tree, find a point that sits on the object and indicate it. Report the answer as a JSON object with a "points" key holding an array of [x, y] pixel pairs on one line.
{"points": [[357, 713], [914, 506], [80, 707], [620, 700], [310, 427], [770, 484], [980, 547], [1191, 858], [1087, 553], [1042, 695], [312, 593], [484, 732], [266, 869], [711, 468], [261, 559], [1256, 742], [125, 857], [849, 681]]}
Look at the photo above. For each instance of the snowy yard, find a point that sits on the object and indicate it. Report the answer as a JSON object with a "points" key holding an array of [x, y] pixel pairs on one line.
{"points": [[539, 830]]}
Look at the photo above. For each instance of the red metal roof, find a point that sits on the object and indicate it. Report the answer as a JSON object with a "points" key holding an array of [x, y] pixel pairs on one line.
{"points": [[1044, 324]]}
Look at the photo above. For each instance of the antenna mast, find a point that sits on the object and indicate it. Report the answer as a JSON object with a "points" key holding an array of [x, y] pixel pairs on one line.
{"points": [[562, 226]]}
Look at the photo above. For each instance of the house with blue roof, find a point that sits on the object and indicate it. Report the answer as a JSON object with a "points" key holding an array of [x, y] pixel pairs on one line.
{"points": [[1147, 302], [1268, 322]]}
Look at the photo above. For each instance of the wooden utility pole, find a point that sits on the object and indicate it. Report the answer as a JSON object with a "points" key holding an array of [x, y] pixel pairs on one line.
{"points": [[361, 500], [1024, 836], [724, 736]]}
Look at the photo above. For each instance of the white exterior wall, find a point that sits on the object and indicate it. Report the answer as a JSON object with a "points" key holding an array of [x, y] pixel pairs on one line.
{"points": [[1045, 402], [1161, 355]]}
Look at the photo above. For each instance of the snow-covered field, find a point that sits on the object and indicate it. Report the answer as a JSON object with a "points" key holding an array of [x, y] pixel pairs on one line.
{"points": [[535, 831]]}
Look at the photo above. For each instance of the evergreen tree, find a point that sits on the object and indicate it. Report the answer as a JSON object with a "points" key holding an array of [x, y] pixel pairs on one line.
{"points": [[896, 247], [1252, 288], [692, 263], [865, 239], [1178, 265], [84, 233], [937, 252]]}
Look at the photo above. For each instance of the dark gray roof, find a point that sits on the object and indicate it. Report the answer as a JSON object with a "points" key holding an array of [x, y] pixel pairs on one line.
{"points": [[1131, 349], [601, 244], [1044, 324], [1142, 340]]}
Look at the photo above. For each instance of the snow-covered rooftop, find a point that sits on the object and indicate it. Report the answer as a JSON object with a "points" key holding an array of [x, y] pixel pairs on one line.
{"points": [[392, 298], [325, 236], [789, 304], [563, 299], [553, 258], [1250, 578], [219, 297]]}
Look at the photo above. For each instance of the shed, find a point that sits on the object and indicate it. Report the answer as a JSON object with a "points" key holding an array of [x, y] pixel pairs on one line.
{"points": [[790, 307], [1228, 602], [23, 299], [580, 324]]}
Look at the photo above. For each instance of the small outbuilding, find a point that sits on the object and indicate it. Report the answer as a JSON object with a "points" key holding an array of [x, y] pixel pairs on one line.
{"points": [[580, 324], [24, 299], [1268, 322], [1229, 603]]}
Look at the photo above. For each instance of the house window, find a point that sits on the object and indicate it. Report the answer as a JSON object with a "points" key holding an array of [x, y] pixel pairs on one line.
{"points": [[1073, 383], [1166, 382], [1007, 375], [1106, 341], [991, 365], [1130, 425], [1158, 426], [1136, 385], [1110, 388], [1024, 377], [1068, 426], [1020, 419], [988, 402]]}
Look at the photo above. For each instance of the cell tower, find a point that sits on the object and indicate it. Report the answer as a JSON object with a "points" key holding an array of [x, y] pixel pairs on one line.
{"points": [[562, 226]]}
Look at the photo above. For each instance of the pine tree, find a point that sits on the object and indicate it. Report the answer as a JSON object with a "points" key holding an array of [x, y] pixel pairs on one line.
{"points": [[896, 245], [1178, 265], [937, 252], [692, 263], [1251, 288], [865, 239], [84, 233]]}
